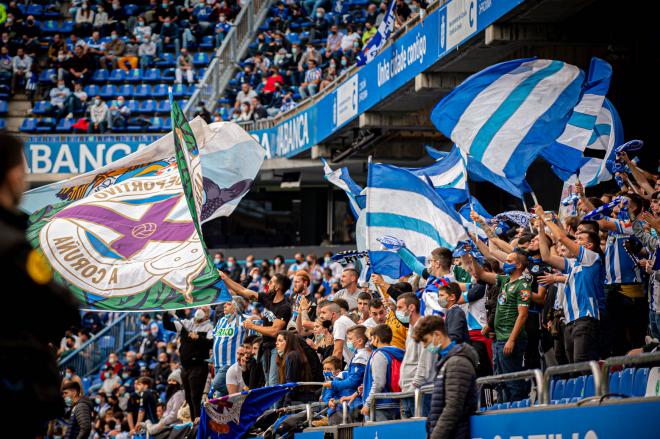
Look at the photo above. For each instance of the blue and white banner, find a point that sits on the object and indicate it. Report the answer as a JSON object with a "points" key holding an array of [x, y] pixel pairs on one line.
{"points": [[448, 176], [343, 181], [380, 38], [565, 154], [503, 116], [402, 205]]}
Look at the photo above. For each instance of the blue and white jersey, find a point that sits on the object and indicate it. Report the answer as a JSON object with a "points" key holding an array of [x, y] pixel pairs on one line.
{"points": [[475, 309], [619, 266], [228, 336], [429, 305], [584, 287]]}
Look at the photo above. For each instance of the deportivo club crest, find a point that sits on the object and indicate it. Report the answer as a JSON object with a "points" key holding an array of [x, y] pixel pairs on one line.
{"points": [[126, 237]]}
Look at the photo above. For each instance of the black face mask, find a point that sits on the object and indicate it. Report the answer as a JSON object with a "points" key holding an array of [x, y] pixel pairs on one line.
{"points": [[170, 390]]}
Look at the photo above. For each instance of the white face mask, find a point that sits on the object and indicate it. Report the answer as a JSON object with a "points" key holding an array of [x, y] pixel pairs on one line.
{"points": [[199, 315]]}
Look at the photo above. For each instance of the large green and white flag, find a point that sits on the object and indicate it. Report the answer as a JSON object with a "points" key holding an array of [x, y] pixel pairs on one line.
{"points": [[129, 237]]}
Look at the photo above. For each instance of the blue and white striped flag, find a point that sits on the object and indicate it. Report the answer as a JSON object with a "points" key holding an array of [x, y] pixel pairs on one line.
{"points": [[503, 116], [343, 181], [402, 205], [380, 38], [565, 154], [606, 136], [448, 176]]}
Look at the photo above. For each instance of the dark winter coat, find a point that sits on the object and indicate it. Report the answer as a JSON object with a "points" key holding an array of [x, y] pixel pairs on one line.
{"points": [[454, 397]]}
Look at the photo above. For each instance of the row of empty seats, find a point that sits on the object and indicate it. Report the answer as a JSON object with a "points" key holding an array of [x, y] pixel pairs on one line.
{"points": [[144, 107], [118, 75]]}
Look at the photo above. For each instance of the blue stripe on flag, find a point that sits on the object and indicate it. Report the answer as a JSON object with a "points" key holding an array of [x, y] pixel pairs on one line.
{"points": [[581, 120], [509, 107], [394, 221]]}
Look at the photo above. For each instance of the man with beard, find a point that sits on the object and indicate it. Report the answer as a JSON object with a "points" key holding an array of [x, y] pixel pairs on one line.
{"points": [[30, 379], [277, 312]]}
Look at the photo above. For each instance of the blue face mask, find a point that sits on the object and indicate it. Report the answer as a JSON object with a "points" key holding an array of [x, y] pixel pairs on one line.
{"points": [[350, 346], [403, 318], [433, 349], [508, 268]]}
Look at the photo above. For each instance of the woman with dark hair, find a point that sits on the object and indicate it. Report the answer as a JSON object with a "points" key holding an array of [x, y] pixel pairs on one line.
{"points": [[293, 366]]}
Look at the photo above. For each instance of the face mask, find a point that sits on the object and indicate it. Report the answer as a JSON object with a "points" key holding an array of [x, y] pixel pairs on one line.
{"points": [[164, 5], [344, 62], [255, 277], [508, 268], [403, 318], [170, 351], [319, 15], [277, 262], [143, 333], [216, 261], [68, 375], [294, 50], [68, 401], [113, 37], [125, 375], [327, 260], [112, 361], [120, 103], [154, 332], [97, 101], [433, 349], [351, 347], [97, 401], [443, 302], [230, 264], [83, 7], [199, 315]]}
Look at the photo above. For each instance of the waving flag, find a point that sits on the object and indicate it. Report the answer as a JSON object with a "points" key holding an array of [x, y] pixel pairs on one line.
{"points": [[606, 136], [402, 205], [565, 154], [343, 181], [380, 38], [231, 416], [503, 116], [448, 176], [129, 239]]}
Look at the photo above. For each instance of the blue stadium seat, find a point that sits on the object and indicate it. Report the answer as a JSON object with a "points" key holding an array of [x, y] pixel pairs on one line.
{"points": [[50, 27], [168, 75], [615, 379], [207, 42], [100, 75], [35, 9], [47, 75], [627, 377], [42, 107], [125, 90], [4, 108], [92, 90], [46, 124], [579, 387], [133, 105], [201, 59], [639, 384], [168, 60], [3, 125], [86, 382], [569, 388], [28, 125], [151, 75], [148, 106], [142, 91], [525, 403], [167, 124], [182, 103], [163, 106], [589, 387], [574, 400], [65, 125], [131, 9], [108, 91], [199, 74], [134, 75], [558, 390], [159, 91], [564, 401], [178, 90], [107, 342], [156, 124], [66, 27], [117, 75]]}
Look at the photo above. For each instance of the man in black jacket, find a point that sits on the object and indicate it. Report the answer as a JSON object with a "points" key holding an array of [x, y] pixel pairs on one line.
{"points": [[194, 351], [454, 397], [81, 411], [30, 385]]}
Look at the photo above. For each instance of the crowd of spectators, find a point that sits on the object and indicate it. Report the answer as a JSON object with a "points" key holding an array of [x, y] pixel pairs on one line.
{"points": [[554, 291], [302, 48], [83, 62]]}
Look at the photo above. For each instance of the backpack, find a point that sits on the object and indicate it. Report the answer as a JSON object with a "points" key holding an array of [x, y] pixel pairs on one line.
{"points": [[395, 374]]}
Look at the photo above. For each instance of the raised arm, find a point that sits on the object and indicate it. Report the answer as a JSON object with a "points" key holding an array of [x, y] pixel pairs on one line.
{"points": [[544, 246], [481, 274], [237, 288]]}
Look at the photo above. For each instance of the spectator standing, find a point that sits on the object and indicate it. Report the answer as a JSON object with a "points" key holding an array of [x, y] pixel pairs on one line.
{"points": [[81, 411], [330, 311], [380, 368], [455, 320], [184, 65], [417, 364], [349, 291], [228, 334], [278, 314], [454, 397], [193, 351], [510, 317]]}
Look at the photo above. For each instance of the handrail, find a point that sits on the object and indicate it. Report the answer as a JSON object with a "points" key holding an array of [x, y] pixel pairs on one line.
{"points": [[571, 368], [626, 360], [416, 394], [535, 374]]}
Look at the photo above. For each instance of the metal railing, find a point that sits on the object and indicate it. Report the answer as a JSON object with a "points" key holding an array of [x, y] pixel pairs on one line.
{"points": [[626, 361], [225, 62], [91, 355], [589, 366], [416, 394]]}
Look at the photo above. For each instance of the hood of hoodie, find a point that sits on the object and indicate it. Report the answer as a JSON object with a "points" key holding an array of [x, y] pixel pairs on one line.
{"points": [[463, 350]]}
